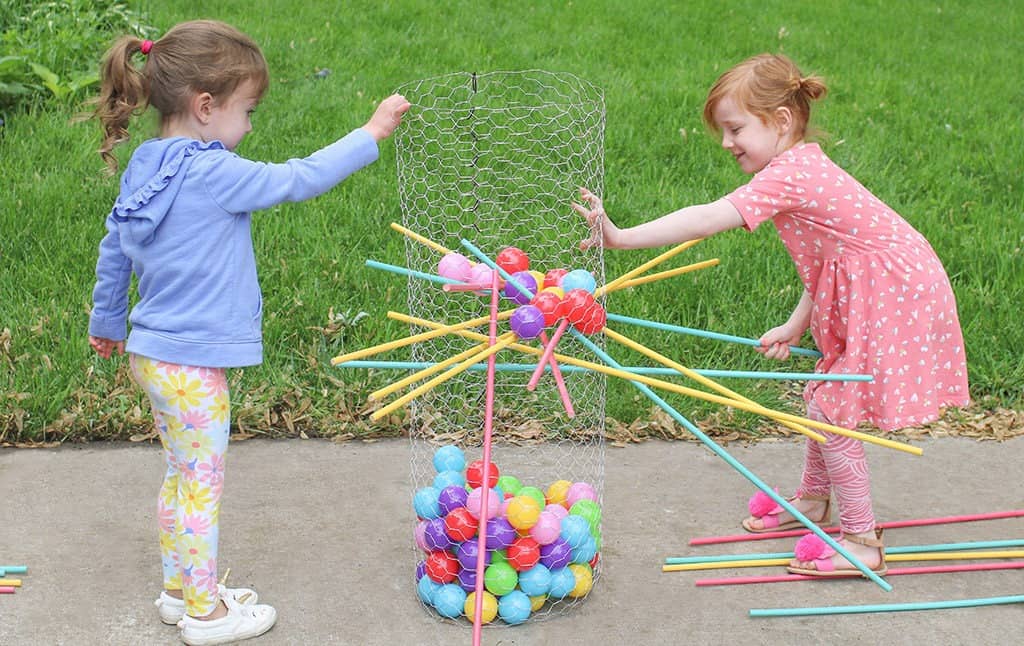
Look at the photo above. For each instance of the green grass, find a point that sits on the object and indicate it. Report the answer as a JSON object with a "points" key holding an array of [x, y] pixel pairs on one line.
{"points": [[924, 109]]}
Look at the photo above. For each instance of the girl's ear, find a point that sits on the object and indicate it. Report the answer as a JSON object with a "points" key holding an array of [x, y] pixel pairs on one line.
{"points": [[784, 120], [202, 106]]}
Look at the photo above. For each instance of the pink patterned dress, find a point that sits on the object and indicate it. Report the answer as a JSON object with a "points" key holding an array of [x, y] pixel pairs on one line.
{"points": [[883, 304]]}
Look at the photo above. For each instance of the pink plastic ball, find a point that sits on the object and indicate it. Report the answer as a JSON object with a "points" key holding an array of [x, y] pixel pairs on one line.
{"points": [[493, 502], [420, 535], [560, 511], [579, 491], [455, 266], [480, 274], [547, 527]]}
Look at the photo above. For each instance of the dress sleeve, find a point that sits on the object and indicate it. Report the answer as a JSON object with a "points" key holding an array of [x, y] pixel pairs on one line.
{"points": [[242, 186], [109, 316], [769, 193]]}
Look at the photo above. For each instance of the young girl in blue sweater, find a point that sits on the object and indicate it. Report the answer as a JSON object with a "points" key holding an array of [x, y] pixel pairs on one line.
{"points": [[181, 224]]}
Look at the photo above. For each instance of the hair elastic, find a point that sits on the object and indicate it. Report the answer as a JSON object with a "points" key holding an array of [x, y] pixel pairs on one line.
{"points": [[145, 47]]}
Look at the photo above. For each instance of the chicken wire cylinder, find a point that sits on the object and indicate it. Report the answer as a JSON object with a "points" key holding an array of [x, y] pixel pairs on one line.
{"points": [[496, 159]]}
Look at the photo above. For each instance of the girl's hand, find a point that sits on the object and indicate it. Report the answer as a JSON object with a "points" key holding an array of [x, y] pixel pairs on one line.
{"points": [[104, 347], [776, 341], [602, 231], [387, 117]]}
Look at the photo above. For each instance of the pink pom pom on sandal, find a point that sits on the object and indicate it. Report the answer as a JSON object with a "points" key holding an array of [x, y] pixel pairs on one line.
{"points": [[762, 506], [812, 549]]}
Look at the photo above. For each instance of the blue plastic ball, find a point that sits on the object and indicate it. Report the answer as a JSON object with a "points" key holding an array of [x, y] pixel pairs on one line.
{"points": [[535, 581], [450, 599], [425, 503], [448, 478], [449, 458], [579, 279], [514, 607], [575, 530], [562, 583], [586, 551], [426, 589]]}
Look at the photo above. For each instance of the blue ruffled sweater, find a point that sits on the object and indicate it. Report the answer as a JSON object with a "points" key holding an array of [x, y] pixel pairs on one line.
{"points": [[182, 225]]}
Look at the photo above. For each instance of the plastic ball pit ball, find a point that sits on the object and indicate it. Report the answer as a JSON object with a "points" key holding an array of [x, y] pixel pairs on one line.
{"points": [[455, 266], [556, 493], [460, 524], [425, 503], [536, 580], [524, 553], [556, 554], [426, 588], [547, 528], [514, 607], [579, 491], [466, 579], [553, 278], [493, 502], [550, 305], [435, 535], [534, 493], [593, 321], [467, 553], [585, 551], [475, 474], [450, 600], [448, 478], [512, 259], [523, 512], [481, 274], [527, 322], [575, 530], [525, 280], [449, 458], [563, 581], [451, 498], [584, 577], [500, 533], [509, 484], [488, 610], [442, 566], [590, 510], [579, 279], [500, 578]]}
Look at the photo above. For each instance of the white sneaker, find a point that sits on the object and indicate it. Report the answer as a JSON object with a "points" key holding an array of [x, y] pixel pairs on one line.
{"points": [[172, 610], [241, 622]]}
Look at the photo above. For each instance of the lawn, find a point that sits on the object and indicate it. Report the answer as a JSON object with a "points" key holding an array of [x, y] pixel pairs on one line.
{"points": [[924, 109]]}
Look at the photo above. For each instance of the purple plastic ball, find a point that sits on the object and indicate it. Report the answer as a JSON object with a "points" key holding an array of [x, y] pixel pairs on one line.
{"points": [[467, 579], [421, 570], [500, 534], [452, 497], [556, 554], [435, 535], [467, 552], [525, 280], [527, 321]]}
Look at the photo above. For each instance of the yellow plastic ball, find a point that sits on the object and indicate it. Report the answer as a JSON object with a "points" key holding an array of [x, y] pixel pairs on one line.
{"points": [[489, 610], [584, 579], [557, 290], [538, 276], [536, 603], [522, 512], [557, 492]]}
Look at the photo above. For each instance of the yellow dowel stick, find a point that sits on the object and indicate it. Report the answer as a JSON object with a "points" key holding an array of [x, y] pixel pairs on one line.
{"points": [[11, 582], [420, 239], [503, 341], [633, 282], [889, 558], [701, 379], [608, 287], [424, 373], [690, 392], [416, 338]]}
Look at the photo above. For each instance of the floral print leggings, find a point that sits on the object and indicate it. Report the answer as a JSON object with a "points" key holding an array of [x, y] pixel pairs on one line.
{"points": [[192, 413], [839, 466]]}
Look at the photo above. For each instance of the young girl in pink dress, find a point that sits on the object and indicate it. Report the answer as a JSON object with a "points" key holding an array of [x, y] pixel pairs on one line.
{"points": [[876, 297]]}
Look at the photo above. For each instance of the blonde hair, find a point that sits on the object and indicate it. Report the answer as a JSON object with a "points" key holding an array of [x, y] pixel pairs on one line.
{"points": [[761, 85], [193, 57]]}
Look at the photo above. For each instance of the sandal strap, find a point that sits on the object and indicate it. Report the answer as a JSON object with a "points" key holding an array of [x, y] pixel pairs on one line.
{"points": [[868, 542], [807, 496]]}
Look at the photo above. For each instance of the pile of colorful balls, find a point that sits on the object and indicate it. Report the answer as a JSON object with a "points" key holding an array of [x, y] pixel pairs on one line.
{"points": [[541, 545]]}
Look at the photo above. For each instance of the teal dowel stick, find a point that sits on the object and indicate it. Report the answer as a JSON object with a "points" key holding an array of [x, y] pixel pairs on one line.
{"points": [[905, 549], [13, 569], [640, 370], [665, 327], [405, 271], [890, 607], [707, 441]]}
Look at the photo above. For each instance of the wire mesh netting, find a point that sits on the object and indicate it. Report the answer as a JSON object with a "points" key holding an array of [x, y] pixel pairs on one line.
{"points": [[496, 159]]}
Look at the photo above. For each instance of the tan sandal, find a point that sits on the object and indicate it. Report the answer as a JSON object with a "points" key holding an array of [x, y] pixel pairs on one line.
{"points": [[812, 549], [762, 506]]}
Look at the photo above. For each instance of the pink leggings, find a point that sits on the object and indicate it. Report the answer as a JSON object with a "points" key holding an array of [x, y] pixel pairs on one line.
{"points": [[839, 465]]}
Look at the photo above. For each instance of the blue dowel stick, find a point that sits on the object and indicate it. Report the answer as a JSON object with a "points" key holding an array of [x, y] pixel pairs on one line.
{"points": [[13, 569], [906, 549], [665, 327], [892, 607], [395, 269], [640, 370], [707, 441]]}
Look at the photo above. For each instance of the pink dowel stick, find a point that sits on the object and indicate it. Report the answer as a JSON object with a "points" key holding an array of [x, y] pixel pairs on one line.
{"points": [[6, 589], [894, 571], [481, 541], [465, 287], [549, 349], [915, 522], [557, 373]]}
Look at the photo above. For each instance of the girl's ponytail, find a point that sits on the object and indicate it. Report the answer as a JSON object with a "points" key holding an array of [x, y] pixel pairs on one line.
{"points": [[813, 87], [124, 92]]}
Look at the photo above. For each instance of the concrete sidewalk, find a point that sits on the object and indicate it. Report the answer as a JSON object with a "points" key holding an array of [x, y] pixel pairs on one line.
{"points": [[324, 532]]}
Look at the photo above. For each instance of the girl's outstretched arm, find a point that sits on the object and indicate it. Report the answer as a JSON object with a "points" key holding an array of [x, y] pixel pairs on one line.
{"points": [[688, 223]]}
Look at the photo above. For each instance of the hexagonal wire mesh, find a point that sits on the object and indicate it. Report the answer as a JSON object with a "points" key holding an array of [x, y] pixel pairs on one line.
{"points": [[496, 159]]}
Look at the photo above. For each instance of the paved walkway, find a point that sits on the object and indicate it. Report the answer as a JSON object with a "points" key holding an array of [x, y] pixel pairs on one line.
{"points": [[324, 532]]}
